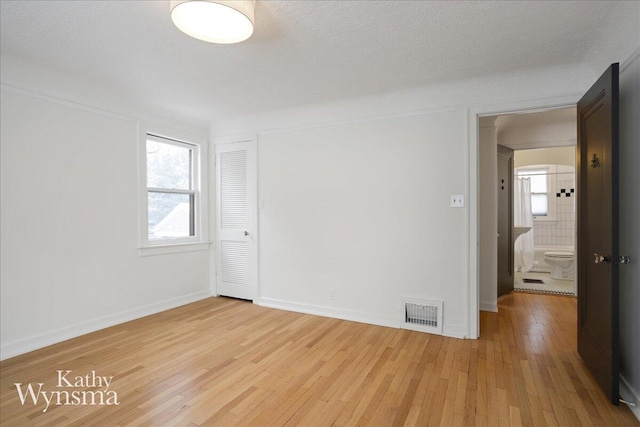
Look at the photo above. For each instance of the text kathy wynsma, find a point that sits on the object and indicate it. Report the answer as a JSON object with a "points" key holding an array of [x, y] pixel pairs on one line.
{"points": [[71, 390]]}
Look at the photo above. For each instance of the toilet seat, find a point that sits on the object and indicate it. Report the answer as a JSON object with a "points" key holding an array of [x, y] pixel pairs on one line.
{"points": [[558, 254]]}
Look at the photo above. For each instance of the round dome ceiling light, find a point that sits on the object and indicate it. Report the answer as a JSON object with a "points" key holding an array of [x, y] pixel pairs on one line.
{"points": [[220, 21]]}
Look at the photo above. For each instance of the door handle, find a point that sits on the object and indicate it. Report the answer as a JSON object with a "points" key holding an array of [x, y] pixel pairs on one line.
{"points": [[246, 233], [597, 258], [625, 259]]}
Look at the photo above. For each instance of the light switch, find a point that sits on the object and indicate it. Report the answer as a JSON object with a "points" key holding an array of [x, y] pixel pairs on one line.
{"points": [[457, 201], [261, 204]]}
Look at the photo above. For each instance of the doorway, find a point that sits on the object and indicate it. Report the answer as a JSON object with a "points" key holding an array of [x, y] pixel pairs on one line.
{"points": [[544, 144]]}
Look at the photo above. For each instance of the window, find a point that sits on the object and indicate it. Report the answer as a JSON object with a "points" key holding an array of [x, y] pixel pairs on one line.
{"points": [[539, 192], [542, 179], [171, 201], [171, 194]]}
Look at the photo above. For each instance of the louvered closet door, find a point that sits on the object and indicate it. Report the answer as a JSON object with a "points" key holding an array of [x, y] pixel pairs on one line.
{"points": [[236, 220]]}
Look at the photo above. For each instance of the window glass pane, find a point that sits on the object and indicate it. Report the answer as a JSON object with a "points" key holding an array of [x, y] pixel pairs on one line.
{"points": [[168, 166], [539, 182], [539, 204], [170, 215]]}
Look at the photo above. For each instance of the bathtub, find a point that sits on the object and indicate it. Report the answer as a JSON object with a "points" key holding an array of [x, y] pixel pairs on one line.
{"points": [[538, 258]]}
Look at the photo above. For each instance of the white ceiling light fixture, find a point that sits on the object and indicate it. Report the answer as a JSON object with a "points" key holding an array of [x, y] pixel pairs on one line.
{"points": [[220, 21]]}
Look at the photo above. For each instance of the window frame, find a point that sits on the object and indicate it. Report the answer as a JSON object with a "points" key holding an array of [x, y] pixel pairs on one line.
{"points": [[550, 171], [198, 181]]}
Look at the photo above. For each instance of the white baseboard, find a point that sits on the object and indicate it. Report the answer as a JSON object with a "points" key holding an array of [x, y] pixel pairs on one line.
{"points": [[36, 342], [352, 315], [630, 395], [489, 306], [454, 331], [333, 312]]}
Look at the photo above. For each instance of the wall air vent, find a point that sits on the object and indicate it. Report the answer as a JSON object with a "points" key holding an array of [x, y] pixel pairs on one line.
{"points": [[422, 315]]}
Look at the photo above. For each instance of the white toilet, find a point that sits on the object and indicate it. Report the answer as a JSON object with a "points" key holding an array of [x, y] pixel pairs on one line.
{"points": [[561, 264]]}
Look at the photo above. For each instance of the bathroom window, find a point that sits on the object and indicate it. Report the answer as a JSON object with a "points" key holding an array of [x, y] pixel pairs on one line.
{"points": [[539, 192], [542, 179]]}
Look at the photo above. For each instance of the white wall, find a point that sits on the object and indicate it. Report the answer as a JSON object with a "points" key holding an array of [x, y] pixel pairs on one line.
{"points": [[488, 216], [363, 208], [630, 231], [70, 227]]}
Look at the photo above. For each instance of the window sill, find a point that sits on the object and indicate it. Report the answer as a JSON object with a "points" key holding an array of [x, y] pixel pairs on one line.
{"points": [[172, 248]]}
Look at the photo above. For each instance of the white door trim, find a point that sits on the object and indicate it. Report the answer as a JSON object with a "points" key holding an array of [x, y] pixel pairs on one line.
{"points": [[474, 114]]}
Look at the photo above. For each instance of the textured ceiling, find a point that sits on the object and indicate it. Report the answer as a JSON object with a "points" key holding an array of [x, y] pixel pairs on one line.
{"points": [[302, 52]]}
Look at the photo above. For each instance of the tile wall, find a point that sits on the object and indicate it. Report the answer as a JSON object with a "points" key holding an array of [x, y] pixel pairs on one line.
{"points": [[562, 231]]}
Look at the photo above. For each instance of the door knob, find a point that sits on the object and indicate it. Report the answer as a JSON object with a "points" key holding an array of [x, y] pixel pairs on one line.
{"points": [[597, 258], [246, 233]]}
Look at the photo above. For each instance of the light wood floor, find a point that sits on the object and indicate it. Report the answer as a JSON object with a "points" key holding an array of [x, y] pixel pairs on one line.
{"points": [[227, 362]]}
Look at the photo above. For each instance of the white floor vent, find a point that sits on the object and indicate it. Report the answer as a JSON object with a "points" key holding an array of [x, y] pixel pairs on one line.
{"points": [[422, 315]]}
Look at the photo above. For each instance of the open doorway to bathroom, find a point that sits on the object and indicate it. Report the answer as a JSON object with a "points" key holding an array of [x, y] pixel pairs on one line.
{"points": [[544, 199], [544, 147]]}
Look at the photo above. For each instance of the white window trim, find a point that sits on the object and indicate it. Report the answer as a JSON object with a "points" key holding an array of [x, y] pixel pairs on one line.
{"points": [[551, 194], [200, 183]]}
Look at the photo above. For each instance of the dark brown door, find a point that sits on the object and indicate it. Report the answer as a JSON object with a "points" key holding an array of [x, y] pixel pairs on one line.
{"points": [[505, 220], [597, 160]]}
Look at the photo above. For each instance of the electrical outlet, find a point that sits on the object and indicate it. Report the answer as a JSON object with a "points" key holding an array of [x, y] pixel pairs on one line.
{"points": [[332, 294], [457, 201]]}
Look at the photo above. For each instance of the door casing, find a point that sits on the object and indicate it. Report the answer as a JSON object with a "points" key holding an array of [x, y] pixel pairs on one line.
{"points": [[475, 113]]}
